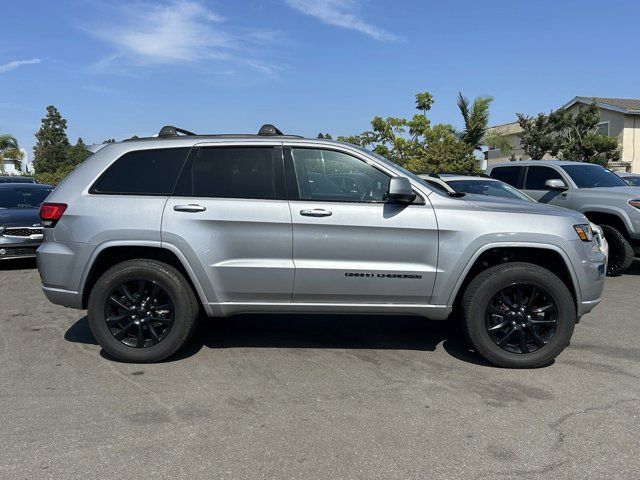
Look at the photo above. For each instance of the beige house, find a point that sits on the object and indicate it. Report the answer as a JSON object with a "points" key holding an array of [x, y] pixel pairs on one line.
{"points": [[619, 117]]}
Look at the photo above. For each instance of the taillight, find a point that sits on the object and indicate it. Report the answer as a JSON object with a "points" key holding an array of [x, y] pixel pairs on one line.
{"points": [[50, 213]]}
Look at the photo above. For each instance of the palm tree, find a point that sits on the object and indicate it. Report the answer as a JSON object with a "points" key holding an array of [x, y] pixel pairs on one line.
{"points": [[476, 125], [10, 149]]}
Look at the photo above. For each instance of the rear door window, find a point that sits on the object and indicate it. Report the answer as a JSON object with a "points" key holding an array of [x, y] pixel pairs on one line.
{"points": [[237, 172], [143, 172], [510, 175]]}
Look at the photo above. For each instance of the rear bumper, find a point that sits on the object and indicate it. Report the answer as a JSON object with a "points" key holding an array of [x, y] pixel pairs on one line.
{"points": [[61, 266], [66, 298]]}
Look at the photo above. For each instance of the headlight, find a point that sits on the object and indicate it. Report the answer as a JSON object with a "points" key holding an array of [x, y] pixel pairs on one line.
{"points": [[635, 202], [584, 232]]}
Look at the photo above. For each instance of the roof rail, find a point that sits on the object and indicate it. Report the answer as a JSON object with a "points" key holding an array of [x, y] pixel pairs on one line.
{"points": [[171, 131], [268, 130]]}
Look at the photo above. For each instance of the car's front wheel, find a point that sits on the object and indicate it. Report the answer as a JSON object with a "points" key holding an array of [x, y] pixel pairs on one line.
{"points": [[620, 250], [142, 311], [518, 315]]}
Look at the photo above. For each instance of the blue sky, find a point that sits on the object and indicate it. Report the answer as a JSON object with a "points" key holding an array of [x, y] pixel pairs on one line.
{"points": [[118, 68]]}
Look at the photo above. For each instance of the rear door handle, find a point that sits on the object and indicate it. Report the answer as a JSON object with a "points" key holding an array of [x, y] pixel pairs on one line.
{"points": [[192, 207], [315, 212]]}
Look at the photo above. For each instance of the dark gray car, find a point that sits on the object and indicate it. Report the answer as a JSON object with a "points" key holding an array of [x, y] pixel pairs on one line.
{"points": [[20, 226]]}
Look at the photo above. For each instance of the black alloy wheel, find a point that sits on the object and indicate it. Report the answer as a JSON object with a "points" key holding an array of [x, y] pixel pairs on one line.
{"points": [[521, 318], [139, 312]]}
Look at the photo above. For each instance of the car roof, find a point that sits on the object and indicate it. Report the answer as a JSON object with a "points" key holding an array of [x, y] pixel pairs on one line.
{"points": [[184, 140], [14, 177], [37, 186], [526, 163], [627, 174]]}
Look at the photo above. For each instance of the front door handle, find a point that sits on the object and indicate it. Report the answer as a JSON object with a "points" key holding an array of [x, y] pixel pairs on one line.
{"points": [[315, 212], [192, 207]]}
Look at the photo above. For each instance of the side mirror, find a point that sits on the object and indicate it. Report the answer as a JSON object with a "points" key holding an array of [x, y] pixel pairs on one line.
{"points": [[400, 191], [556, 184]]}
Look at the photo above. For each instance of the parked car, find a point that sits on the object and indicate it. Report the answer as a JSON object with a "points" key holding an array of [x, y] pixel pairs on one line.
{"points": [[632, 179], [16, 179], [478, 185], [20, 227], [598, 193], [148, 232]]}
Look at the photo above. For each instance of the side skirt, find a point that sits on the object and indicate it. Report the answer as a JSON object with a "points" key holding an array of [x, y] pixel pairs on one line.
{"points": [[432, 312]]}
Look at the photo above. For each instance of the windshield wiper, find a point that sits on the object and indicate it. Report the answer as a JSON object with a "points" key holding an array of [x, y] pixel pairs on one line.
{"points": [[456, 194]]}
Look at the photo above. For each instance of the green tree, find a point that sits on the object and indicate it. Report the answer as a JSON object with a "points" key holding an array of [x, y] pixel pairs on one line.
{"points": [[78, 153], [476, 131], [9, 149], [537, 137], [326, 136], [569, 136], [52, 145], [416, 144]]}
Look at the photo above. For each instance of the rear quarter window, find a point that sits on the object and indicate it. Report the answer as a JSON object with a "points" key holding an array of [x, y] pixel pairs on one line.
{"points": [[143, 172]]}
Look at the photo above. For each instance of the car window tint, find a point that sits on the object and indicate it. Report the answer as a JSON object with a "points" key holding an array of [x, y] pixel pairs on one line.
{"points": [[538, 175], [591, 176], [143, 172], [510, 175], [633, 181], [334, 176], [23, 197], [488, 187], [235, 172]]}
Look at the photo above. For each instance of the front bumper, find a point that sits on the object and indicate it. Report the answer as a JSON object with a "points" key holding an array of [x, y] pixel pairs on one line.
{"points": [[591, 270], [16, 247]]}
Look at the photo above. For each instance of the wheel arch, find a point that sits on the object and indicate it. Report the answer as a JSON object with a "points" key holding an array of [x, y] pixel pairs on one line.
{"points": [[612, 218], [110, 254], [550, 257]]}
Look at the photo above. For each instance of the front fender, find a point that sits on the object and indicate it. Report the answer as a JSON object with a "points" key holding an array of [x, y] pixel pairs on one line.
{"points": [[451, 276], [618, 212]]}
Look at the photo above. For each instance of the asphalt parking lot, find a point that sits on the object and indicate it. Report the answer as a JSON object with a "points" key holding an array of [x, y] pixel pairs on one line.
{"points": [[314, 397]]}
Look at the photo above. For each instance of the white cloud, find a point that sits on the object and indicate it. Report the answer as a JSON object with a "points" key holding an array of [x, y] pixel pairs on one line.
{"points": [[177, 31], [341, 13], [7, 67]]}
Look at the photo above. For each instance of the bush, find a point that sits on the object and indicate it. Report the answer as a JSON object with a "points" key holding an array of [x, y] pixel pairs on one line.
{"points": [[54, 178]]}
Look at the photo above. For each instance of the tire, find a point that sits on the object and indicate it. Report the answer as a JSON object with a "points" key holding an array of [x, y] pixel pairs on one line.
{"points": [[176, 317], [479, 300], [620, 250]]}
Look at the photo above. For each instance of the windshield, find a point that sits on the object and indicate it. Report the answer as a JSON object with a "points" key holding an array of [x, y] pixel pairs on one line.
{"points": [[633, 181], [23, 197], [591, 176], [488, 187]]}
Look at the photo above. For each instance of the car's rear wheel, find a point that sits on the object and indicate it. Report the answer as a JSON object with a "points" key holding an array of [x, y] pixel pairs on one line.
{"points": [[142, 311], [620, 250], [518, 315]]}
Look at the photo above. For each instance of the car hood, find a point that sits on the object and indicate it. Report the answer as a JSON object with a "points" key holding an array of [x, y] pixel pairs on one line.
{"points": [[19, 217], [501, 204]]}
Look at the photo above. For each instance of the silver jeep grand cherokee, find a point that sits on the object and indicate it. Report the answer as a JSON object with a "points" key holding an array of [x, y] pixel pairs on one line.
{"points": [[146, 233]]}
